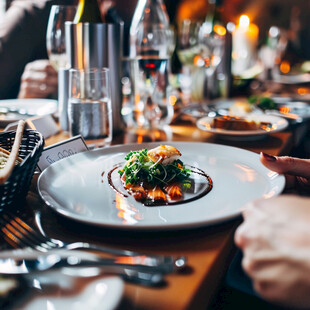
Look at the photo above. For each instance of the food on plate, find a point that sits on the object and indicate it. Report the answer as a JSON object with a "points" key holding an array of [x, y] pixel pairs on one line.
{"points": [[156, 175], [240, 108], [263, 102], [238, 123]]}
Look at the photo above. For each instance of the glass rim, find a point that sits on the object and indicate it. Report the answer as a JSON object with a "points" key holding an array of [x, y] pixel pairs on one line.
{"points": [[90, 70]]}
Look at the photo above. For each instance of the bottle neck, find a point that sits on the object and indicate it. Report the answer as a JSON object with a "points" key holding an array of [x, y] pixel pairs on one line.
{"points": [[214, 15], [88, 11]]}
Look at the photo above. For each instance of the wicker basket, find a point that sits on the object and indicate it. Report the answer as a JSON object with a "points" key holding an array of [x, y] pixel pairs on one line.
{"points": [[15, 189]]}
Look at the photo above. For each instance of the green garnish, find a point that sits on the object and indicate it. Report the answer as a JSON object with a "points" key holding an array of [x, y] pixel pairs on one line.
{"points": [[263, 102], [140, 168]]}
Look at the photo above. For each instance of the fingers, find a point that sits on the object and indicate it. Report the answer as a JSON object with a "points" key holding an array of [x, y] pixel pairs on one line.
{"points": [[287, 165], [39, 80], [35, 90], [41, 65]]}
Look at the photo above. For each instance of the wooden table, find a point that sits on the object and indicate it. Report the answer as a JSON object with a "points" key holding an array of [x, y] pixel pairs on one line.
{"points": [[208, 249]]}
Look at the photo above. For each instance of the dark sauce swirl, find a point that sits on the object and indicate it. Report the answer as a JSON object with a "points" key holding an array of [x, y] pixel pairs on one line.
{"points": [[196, 191]]}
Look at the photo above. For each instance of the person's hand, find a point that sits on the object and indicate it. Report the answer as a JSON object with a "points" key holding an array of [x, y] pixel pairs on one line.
{"points": [[296, 170], [39, 80], [275, 240]]}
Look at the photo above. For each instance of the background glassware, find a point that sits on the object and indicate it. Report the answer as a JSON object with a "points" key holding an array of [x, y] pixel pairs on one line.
{"points": [[89, 108], [211, 39], [150, 50], [187, 50], [55, 34]]}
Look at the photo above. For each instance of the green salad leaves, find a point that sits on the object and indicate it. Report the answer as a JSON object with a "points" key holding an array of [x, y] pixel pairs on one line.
{"points": [[140, 168], [263, 102]]}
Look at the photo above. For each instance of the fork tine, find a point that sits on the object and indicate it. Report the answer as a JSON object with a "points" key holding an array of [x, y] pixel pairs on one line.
{"points": [[19, 234]]}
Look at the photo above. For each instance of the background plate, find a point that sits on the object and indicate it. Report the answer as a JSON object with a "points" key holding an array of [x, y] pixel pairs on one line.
{"points": [[12, 110], [278, 124], [77, 187]]}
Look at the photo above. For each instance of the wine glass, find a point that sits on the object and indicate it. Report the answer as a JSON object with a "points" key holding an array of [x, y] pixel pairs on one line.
{"points": [[211, 40], [55, 35], [187, 50]]}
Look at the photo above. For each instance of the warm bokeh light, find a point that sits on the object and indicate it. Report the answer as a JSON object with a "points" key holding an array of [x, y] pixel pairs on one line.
{"points": [[220, 30], [173, 100], [284, 110], [244, 21], [303, 91], [285, 67]]}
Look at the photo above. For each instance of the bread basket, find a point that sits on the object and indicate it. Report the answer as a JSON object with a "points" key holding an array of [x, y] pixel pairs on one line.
{"points": [[16, 187]]}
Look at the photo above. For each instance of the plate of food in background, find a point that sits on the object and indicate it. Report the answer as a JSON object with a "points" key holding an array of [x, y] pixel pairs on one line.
{"points": [[247, 127]]}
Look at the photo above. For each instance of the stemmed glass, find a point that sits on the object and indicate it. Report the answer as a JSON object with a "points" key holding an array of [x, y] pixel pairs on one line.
{"points": [[187, 50], [200, 50], [211, 39], [55, 35]]}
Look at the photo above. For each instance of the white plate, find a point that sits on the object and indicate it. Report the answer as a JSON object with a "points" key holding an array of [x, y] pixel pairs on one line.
{"points": [[64, 290], [277, 124], [291, 110], [77, 187], [12, 110]]}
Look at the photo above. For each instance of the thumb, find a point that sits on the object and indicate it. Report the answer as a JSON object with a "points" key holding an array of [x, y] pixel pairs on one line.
{"points": [[287, 165]]}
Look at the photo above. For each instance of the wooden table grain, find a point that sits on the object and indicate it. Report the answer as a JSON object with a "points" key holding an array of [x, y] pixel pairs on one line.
{"points": [[208, 249]]}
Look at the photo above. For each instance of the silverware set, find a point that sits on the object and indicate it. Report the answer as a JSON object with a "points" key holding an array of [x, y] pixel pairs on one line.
{"points": [[35, 253]]}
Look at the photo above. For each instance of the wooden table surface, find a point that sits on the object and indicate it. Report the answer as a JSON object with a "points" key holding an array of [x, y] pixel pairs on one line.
{"points": [[208, 249]]}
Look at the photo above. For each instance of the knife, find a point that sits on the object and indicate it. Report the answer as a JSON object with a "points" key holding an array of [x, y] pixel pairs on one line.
{"points": [[23, 261]]}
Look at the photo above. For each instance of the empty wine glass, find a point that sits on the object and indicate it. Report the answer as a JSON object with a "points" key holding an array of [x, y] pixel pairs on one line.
{"points": [[55, 35], [187, 50], [211, 39]]}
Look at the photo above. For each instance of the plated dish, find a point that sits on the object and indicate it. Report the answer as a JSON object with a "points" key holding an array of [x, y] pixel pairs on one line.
{"points": [[12, 110], [291, 110], [158, 177], [78, 187], [256, 126]]}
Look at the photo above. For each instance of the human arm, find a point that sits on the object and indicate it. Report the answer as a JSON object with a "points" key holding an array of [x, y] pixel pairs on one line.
{"points": [[275, 240], [39, 80]]}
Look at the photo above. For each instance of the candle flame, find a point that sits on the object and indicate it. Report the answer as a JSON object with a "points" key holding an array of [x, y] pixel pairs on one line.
{"points": [[244, 21]]}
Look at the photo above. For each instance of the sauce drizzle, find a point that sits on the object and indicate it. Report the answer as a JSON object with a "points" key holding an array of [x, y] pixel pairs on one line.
{"points": [[194, 195]]}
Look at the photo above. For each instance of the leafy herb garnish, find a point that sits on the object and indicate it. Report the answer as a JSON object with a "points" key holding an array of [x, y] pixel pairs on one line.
{"points": [[263, 102], [140, 168]]}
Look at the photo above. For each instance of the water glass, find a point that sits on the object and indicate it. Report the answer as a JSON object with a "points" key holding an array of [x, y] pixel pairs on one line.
{"points": [[89, 108]]}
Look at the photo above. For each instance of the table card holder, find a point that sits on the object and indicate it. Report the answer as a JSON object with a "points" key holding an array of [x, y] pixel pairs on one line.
{"points": [[61, 150], [46, 125]]}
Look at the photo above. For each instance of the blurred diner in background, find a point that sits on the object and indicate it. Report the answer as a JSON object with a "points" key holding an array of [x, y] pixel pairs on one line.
{"points": [[225, 81]]}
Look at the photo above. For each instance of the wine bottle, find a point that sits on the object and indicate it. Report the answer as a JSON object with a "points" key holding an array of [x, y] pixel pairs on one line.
{"points": [[88, 12], [214, 15]]}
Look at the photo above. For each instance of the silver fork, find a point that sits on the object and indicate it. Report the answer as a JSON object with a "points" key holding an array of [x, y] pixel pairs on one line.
{"points": [[19, 234]]}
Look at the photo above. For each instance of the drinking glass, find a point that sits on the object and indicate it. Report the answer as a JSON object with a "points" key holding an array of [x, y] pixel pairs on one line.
{"points": [[187, 50], [211, 39], [89, 107], [55, 34]]}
